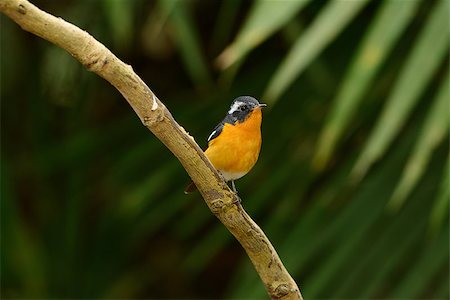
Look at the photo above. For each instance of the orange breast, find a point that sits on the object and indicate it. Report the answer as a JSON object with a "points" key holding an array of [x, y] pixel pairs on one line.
{"points": [[236, 149]]}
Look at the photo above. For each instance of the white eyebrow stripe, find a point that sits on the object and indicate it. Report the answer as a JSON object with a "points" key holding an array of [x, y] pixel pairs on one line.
{"points": [[235, 106]]}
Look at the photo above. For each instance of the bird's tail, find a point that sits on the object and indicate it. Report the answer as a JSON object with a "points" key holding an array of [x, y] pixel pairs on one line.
{"points": [[190, 188]]}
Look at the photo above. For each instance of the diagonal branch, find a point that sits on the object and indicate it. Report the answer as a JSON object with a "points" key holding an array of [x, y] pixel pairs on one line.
{"points": [[155, 116]]}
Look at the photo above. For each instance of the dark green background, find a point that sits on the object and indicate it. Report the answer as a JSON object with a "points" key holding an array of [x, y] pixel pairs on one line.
{"points": [[92, 204]]}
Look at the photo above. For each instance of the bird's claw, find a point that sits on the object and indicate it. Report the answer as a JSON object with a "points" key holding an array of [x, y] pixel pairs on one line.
{"points": [[237, 199]]}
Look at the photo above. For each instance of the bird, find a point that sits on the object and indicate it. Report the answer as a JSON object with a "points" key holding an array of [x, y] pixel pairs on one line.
{"points": [[235, 143]]}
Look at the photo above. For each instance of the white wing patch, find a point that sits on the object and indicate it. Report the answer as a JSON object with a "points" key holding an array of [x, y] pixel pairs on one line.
{"points": [[235, 107], [211, 135]]}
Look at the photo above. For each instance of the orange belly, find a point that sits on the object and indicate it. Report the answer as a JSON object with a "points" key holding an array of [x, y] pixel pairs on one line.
{"points": [[235, 151]]}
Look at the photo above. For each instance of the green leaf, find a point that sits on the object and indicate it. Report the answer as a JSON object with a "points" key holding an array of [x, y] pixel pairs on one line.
{"points": [[59, 73], [386, 28], [331, 21], [188, 41], [228, 12], [385, 250], [424, 269], [120, 18], [258, 27], [143, 193], [23, 253], [439, 212], [425, 58], [396, 258], [433, 132]]}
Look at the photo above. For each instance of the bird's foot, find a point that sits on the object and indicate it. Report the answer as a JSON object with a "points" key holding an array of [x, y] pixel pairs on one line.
{"points": [[237, 199]]}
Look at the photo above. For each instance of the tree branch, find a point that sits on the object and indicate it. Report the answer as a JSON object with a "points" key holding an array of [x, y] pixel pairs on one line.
{"points": [[155, 116]]}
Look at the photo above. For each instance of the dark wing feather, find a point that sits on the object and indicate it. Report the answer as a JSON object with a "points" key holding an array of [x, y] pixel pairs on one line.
{"points": [[215, 133], [218, 129]]}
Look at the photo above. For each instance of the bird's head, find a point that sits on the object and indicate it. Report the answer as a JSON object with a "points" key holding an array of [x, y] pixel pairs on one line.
{"points": [[242, 107]]}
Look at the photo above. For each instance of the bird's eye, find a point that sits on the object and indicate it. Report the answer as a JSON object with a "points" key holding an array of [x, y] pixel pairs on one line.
{"points": [[244, 107]]}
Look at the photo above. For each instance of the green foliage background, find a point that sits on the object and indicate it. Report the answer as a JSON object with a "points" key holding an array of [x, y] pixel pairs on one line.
{"points": [[351, 185]]}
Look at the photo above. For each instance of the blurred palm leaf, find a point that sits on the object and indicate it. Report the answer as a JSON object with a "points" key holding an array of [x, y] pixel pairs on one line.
{"points": [[425, 268], [425, 58], [386, 28], [186, 36], [258, 27], [120, 19], [333, 18], [22, 252], [434, 130], [228, 12], [440, 211]]}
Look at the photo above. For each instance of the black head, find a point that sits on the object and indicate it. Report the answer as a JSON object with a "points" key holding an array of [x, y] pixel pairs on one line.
{"points": [[241, 107]]}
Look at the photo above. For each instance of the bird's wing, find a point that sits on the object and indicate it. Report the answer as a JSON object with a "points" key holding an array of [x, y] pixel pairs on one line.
{"points": [[216, 131]]}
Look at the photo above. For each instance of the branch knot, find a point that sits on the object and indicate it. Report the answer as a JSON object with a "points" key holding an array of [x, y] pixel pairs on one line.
{"points": [[21, 9], [281, 291]]}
